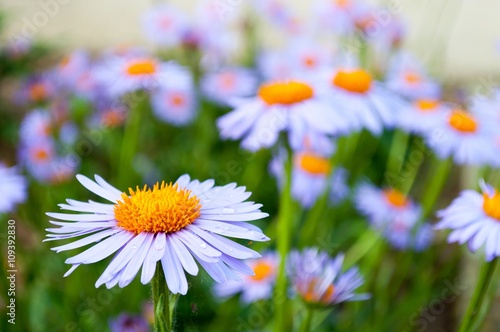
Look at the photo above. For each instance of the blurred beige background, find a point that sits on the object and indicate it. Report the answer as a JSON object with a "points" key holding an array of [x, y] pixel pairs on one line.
{"points": [[461, 38]]}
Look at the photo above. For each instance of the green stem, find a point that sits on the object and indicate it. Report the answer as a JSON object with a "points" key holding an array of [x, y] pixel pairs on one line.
{"points": [[397, 151], [130, 143], [163, 302], [307, 322], [283, 235], [435, 183], [471, 316]]}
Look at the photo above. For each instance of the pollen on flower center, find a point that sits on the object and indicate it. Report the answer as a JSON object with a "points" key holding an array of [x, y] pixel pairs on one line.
{"points": [[426, 105], [491, 205], [314, 164], [40, 155], [262, 270], [142, 67], [177, 99], [396, 198], [285, 93], [358, 81], [462, 121], [163, 208]]}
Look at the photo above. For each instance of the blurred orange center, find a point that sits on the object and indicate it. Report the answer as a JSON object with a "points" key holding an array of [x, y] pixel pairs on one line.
{"points": [[142, 67], [341, 3], [177, 99], [41, 155], [262, 270], [310, 61], [311, 294], [314, 164], [426, 105], [491, 205], [462, 121], [164, 208], [37, 92], [412, 77], [285, 93], [112, 118], [396, 198], [227, 81], [359, 81]]}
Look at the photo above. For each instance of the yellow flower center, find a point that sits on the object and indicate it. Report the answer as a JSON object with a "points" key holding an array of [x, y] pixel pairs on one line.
{"points": [[358, 81], [491, 205], [142, 67], [262, 270], [396, 198], [164, 208], [314, 164], [462, 121], [312, 297], [285, 93], [426, 105]]}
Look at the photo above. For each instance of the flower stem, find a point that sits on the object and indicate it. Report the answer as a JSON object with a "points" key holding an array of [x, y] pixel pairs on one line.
{"points": [[283, 243], [306, 323], [397, 151], [485, 277], [163, 302], [130, 142], [435, 183]]}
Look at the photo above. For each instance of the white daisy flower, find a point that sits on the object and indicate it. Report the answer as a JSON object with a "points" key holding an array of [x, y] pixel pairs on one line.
{"points": [[13, 187], [175, 224]]}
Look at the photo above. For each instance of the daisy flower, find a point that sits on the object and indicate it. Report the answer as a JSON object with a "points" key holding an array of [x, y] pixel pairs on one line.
{"points": [[129, 73], [174, 101], [224, 85], [35, 90], [13, 187], [318, 280], [404, 234], [420, 116], [407, 77], [367, 104], [164, 25], [36, 126], [465, 137], [307, 58], [290, 106], [380, 206], [256, 287], [474, 218], [342, 10], [70, 68], [175, 224]]}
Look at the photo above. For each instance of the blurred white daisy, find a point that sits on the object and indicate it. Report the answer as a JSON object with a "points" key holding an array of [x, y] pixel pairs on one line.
{"points": [[175, 101], [176, 224], [421, 116], [13, 187], [290, 106], [466, 138], [226, 84], [318, 279], [256, 287], [474, 218], [165, 25]]}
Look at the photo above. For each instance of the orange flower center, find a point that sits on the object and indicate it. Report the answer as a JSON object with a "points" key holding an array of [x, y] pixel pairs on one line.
{"points": [[227, 81], [396, 198], [40, 155], [142, 67], [462, 121], [164, 208], [262, 270], [65, 60], [285, 93], [38, 92], [412, 77], [310, 61], [358, 81], [426, 105], [177, 99], [112, 118], [313, 297], [314, 164], [491, 205], [341, 3]]}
